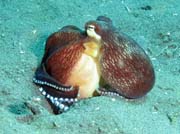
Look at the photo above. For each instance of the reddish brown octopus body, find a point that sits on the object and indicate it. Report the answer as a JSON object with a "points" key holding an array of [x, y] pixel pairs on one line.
{"points": [[98, 61]]}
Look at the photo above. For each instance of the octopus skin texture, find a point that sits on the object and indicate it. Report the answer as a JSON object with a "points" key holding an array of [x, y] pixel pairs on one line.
{"points": [[99, 60]]}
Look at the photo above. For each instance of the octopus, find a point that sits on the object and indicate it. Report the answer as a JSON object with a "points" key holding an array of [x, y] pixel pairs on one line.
{"points": [[100, 60]]}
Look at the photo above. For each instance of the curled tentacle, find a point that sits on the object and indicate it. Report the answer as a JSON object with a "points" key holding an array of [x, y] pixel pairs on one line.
{"points": [[42, 78], [59, 101], [109, 92]]}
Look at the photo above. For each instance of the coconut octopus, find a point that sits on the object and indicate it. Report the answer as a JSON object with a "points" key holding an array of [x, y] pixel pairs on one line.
{"points": [[99, 60]]}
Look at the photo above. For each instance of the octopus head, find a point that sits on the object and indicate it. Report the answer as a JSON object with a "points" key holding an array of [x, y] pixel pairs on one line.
{"points": [[96, 29]]}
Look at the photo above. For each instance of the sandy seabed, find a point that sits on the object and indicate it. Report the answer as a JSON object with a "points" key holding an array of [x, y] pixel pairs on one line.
{"points": [[24, 27]]}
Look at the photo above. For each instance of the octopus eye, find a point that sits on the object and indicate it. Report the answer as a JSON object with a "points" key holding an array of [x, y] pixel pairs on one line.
{"points": [[91, 27], [92, 32]]}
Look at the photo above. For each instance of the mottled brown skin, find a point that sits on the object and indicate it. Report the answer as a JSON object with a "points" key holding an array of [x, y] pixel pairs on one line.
{"points": [[63, 49], [67, 56], [124, 64]]}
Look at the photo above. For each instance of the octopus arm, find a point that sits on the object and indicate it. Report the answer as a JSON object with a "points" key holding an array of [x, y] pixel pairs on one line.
{"points": [[126, 67], [58, 40]]}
